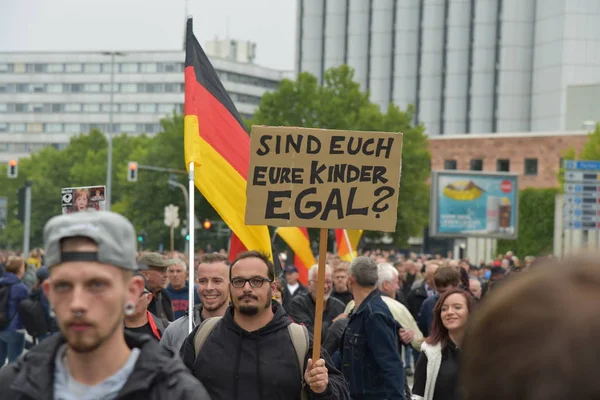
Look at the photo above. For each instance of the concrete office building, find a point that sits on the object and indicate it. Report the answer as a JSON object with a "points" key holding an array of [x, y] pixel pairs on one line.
{"points": [[45, 98], [468, 66]]}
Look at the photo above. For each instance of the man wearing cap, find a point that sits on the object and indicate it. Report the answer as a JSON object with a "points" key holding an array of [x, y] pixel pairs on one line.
{"points": [[154, 268], [91, 258], [291, 286]]}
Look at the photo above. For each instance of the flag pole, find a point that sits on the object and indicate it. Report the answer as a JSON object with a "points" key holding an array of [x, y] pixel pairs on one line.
{"points": [[192, 231], [348, 244], [320, 300]]}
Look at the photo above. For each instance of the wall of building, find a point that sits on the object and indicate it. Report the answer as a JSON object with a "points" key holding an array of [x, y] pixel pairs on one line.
{"points": [[545, 148]]}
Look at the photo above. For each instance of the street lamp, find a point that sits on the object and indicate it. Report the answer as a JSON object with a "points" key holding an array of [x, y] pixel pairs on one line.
{"points": [[108, 195]]}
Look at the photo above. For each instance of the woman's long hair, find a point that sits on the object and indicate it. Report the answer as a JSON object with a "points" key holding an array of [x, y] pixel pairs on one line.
{"points": [[439, 333]]}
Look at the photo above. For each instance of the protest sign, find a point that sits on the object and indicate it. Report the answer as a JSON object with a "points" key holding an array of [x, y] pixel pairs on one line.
{"points": [[83, 198], [319, 178]]}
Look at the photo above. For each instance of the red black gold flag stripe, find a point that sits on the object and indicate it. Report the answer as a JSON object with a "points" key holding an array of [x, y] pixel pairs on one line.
{"points": [[218, 144]]}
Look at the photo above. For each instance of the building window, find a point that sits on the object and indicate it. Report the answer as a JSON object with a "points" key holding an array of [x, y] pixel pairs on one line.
{"points": [[3, 88], [503, 165], [172, 87], [128, 128], [73, 107], [92, 87], [56, 68], [37, 108], [3, 107], [56, 108], [39, 88], [129, 68], [106, 108], [169, 67], [147, 108], [5, 68], [74, 88], [53, 128], [128, 108], [74, 68], [449, 164], [91, 107], [166, 108], [106, 87], [531, 166], [477, 164], [149, 67], [73, 128], [16, 128], [3, 127], [92, 68], [129, 88], [20, 107], [149, 88], [35, 128], [54, 88], [40, 68]]}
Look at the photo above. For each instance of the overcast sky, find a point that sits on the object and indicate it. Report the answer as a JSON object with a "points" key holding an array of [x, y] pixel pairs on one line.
{"points": [[96, 25]]}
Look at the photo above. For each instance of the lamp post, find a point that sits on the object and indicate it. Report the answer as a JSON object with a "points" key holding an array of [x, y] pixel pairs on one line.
{"points": [[108, 196]]}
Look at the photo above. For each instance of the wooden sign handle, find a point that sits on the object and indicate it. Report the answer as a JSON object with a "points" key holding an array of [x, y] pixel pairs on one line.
{"points": [[320, 304]]}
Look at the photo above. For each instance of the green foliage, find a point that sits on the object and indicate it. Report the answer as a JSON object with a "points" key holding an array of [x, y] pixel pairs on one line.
{"points": [[536, 223], [590, 152], [83, 163], [340, 104]]}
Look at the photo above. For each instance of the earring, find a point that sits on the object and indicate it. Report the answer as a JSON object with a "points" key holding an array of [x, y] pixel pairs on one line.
{"points": [[129, 308], [52, 314]]}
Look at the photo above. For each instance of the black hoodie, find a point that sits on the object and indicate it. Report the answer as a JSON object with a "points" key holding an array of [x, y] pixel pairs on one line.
{"points": [[262, 365], [158, 374]]}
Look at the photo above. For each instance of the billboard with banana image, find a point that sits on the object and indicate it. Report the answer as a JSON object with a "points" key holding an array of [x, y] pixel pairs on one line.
{"points": [[474, 204]]}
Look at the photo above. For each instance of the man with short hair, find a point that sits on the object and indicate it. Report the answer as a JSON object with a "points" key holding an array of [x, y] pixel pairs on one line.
{"points": [[302, 309], [91, 258], [445, 278], [369, 350], [213, 289], [142, 321], [178, 287], [154, 268], [250, 352], [292, 287], [340, 283]]}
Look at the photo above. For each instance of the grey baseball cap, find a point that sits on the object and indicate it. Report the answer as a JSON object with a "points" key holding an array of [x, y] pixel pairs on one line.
{"points": [[112, 232]]}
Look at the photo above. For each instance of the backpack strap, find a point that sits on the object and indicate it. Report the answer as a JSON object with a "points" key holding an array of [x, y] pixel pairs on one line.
{"points": [[299, 335], [204, 330]]}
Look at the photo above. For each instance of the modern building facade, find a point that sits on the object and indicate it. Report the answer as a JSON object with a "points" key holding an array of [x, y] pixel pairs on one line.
{"points": [[468, 66], [45, 98]]}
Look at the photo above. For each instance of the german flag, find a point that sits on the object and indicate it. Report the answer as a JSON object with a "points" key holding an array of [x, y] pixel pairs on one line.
{"points": [[297, 239], [216, 140], [347, 241]]}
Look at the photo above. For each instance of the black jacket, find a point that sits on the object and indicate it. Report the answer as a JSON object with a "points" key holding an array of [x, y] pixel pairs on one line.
{"points": [[302, 311], [235, 364], [344, 297], [288, 297], [167, 314], [158, 374], [415, 300]]}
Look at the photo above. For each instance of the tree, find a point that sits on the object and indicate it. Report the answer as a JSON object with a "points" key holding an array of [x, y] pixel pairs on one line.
{"points": [[340, 104], [83, 163]]}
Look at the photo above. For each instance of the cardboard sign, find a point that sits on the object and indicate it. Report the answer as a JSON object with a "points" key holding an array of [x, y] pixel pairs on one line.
{"points": [[319, 178], [83, 198]]}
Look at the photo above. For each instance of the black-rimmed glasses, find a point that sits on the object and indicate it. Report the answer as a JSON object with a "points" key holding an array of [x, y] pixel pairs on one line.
{"points": [[255, 282]]}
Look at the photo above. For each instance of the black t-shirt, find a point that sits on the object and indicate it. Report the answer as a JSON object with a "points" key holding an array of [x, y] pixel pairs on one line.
{"points": [[144, 329]]}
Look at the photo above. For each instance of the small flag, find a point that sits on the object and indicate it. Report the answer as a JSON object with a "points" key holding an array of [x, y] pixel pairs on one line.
{"points": [[347, 243], [297, 239]]}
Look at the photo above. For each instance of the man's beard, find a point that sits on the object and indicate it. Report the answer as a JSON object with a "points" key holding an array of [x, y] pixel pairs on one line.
{"points": [[81, 346], [251, 311], [215, 307]]}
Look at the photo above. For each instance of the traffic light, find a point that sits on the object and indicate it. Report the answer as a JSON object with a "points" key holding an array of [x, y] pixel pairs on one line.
{"points": [[13, 169], [187, 237], [132, 173], [207, 224], [140, 238]]}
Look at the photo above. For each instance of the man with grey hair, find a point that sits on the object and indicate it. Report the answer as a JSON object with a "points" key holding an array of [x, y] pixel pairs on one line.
{"points": [[178, 287], [369, 349], [302, 307]]}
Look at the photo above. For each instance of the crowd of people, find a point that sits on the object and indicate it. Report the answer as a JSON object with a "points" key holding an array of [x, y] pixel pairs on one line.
{"points": [[108, 322]]}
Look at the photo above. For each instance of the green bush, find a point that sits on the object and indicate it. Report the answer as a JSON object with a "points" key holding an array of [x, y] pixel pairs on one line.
{"points": [[536, 224]]}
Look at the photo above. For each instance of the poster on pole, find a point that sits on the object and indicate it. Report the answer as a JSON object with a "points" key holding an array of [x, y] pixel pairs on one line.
{"points": [[474, 204], [83, 198], [317, 178]]}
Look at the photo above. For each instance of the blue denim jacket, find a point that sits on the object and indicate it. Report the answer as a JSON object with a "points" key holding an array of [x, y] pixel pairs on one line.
{"points": [[370, 353]]}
